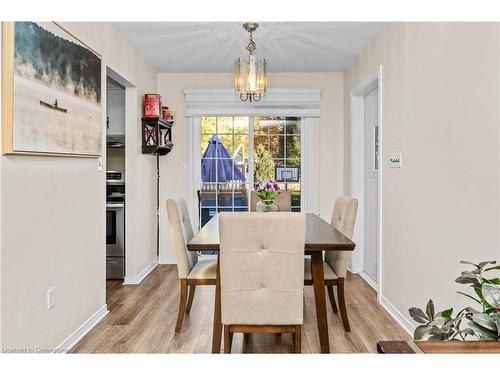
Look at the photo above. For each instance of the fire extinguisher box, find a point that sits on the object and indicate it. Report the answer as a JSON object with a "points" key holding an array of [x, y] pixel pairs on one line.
{"points": [[152, 105]]}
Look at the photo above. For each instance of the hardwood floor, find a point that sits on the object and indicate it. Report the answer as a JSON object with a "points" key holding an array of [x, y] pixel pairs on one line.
{"points": [[142, 320]]}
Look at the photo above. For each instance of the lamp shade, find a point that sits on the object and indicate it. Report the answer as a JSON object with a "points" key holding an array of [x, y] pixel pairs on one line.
{"points": [[250, 78]]}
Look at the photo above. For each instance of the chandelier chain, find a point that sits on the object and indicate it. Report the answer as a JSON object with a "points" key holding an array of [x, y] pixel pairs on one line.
{"points": [[251, 47]]}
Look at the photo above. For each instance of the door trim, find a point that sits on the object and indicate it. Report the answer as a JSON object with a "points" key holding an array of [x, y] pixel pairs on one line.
{"points": [[357, 168]]}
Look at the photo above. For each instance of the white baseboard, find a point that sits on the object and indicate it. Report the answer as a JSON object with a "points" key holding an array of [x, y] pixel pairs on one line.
{"points": [[369, 280], [136, 279], [408, 326], [81, 331]]}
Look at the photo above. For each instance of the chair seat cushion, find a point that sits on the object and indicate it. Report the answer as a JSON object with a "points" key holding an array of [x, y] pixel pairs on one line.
{"points": [[327, 270], [204, 269]]}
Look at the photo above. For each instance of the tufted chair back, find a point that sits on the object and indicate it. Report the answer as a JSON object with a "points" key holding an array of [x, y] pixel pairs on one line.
{"points": [[262, 268], [343, 219], [181, 232], [284, 200]]}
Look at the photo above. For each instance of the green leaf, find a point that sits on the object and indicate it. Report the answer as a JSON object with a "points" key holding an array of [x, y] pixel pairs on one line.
{"points": [[452, 324], [482, 264], [492, 268], [483, 333], [468, 280], [479, 292], [497, 322], [465, 280], [430, 309], [446, 313], [467, 262], [423, 332], [468, 331], [437, 337], [484, 321], [495, 281], [418, 315], [491, 310], [471, 310], [491, 294]]}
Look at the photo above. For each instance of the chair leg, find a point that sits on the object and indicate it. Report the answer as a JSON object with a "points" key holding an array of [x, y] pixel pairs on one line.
{"points": [[331, 295], [343, 310], [192, 289], [247, 343], [228, 339], [182, 305], [297, 339], [246, 337]]}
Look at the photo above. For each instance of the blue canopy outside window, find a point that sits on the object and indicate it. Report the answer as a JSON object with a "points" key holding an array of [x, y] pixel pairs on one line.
{"points": [[217, 165]]}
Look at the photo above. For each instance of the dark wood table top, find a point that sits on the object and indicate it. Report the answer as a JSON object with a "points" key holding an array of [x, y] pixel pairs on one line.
{"points": [[438, 347], [320, 235]]}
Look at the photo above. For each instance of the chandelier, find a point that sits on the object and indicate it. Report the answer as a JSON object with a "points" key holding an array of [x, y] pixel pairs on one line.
{"points": [[250, 78]]}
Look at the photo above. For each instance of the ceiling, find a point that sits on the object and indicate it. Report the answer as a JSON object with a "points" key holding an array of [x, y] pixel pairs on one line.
{"points": [[210, 47]]}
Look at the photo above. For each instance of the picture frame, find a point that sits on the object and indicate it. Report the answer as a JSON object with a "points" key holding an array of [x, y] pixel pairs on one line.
{"points": [[51, 92]]}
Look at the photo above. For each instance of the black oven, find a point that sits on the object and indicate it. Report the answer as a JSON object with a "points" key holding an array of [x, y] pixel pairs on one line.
{"points": [[110, 227], [115, 225]]}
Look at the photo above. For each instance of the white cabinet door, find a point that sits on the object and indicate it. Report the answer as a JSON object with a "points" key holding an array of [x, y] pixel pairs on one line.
{"points": [[116, 112]]}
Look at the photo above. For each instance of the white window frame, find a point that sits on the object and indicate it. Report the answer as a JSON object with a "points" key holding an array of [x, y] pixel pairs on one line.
{"points": [[303, 103]]}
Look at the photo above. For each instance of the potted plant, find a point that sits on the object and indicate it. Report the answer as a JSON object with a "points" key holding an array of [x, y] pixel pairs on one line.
{"points": [[267, 191], [469, 323]]}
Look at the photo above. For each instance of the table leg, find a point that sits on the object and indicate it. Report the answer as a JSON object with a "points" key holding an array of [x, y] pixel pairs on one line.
{"points": [[320, 298], [217, 328]]}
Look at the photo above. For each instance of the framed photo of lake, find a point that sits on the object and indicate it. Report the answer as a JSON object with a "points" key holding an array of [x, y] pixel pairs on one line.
{"points": [[51, 92]]}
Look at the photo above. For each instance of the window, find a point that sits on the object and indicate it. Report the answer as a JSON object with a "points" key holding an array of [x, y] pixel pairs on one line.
{"points": [[277, 153], [224, 165], [237, 151]]}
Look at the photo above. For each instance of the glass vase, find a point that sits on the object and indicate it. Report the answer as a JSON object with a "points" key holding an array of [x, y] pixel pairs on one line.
{"points": [[267, 206]]}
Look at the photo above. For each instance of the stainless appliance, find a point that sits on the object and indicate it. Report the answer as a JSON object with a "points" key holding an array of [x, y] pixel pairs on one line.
{"points": [[115, 225]]}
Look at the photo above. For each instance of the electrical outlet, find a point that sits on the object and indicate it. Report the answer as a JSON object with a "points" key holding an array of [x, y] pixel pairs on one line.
{"points": [[51, 298]]}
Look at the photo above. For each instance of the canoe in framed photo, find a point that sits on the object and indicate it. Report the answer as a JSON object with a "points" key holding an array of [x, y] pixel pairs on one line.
{"points": [[51, 92]]}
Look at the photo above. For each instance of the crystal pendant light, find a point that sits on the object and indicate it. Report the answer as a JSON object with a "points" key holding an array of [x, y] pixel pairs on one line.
{"points": [[250, 78]]}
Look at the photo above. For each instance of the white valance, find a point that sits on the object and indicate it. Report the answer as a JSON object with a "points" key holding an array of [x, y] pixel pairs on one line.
{"points": [[277, 102]]}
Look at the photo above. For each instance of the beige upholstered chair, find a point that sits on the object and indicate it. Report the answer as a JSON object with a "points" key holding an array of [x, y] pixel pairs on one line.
{"points": [[284, 200], [261, 273], [335, 263], [192, 271]]}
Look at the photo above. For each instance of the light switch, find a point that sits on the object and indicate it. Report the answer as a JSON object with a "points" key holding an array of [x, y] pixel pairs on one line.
{"points": [[99, 164], [395, 160]]}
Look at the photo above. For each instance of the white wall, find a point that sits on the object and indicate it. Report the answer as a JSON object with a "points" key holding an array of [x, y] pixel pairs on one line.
{"points": [[174, 167], [53, 220], [441, 110]]}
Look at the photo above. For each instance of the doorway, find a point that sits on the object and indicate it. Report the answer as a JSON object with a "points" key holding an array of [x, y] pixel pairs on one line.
{"points": [[121, 114], [115, 180], [365, 177]]}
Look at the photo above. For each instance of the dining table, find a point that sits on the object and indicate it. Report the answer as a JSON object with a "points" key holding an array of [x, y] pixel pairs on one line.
{"points": [[319, 236]]}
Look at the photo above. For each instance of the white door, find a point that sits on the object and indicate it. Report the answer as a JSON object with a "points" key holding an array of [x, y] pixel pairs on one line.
{"points": [[371, 224]]}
